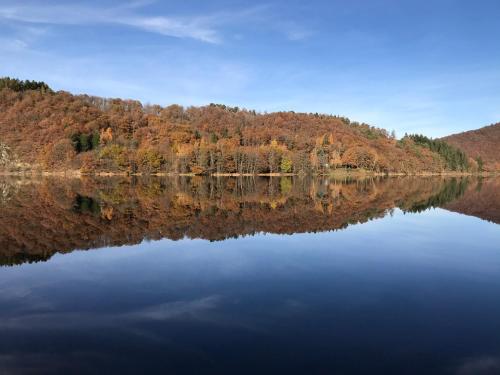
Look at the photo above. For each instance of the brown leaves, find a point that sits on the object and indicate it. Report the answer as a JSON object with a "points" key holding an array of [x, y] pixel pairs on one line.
{"points": [[208, 139]]}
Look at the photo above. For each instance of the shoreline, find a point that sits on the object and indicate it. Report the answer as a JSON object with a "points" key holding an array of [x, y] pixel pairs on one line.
{"points": [[333, 174]]}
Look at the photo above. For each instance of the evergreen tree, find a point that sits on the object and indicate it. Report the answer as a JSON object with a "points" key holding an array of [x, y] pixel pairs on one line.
{"points": [[85, 145], [95, 140], [18, 85], [455, 159]]}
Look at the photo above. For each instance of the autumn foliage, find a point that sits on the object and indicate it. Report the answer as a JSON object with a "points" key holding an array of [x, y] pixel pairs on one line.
{"points": [[61, 131], [483, 145]]}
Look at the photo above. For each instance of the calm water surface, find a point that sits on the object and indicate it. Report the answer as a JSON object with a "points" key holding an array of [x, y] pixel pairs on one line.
{"points": [[390, 276]]}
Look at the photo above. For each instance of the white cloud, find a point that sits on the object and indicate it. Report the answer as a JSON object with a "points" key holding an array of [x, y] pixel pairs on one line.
{"points": [[193, 28], [199, 28], [206, 28]]}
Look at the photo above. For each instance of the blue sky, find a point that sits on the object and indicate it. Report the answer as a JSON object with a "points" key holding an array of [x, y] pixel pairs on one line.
{"points": [[431, 67]]}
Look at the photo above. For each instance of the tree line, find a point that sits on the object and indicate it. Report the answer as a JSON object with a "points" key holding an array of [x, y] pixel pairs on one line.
{"points": [[58, 130], [19, 86]]}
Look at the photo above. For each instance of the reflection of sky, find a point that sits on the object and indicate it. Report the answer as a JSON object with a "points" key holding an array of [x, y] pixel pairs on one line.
{"points": [[409, 285]]}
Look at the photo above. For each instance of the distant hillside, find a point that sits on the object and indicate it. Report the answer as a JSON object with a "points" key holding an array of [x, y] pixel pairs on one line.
{"points": [[482, 143], [54, 131]]}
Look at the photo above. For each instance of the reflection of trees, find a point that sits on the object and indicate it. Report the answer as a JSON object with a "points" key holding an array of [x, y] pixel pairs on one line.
{"points": [[481, 199], [6, 192], [62, 215], [453, 189]]}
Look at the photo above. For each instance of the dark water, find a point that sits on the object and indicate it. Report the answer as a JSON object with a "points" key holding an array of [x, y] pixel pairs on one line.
{"points": [[390, 276]]}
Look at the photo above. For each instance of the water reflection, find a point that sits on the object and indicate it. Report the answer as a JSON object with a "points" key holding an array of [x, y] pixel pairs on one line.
{"points": [[413, 292], [41, 217]]}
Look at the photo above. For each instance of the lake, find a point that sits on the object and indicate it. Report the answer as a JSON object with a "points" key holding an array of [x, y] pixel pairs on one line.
{"points": [[191, 275]]}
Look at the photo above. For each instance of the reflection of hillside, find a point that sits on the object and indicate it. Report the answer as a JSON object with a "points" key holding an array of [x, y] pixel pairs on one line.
{"points": [[53, 215], [482, 199], [451, 190]]}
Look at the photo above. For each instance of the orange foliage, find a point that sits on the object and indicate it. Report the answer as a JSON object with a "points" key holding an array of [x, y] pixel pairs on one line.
{"points": [[124, 135]]}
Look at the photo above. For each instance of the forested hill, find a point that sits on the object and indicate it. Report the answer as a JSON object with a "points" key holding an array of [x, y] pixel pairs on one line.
{"points": [[482, 144], [42, 129]]}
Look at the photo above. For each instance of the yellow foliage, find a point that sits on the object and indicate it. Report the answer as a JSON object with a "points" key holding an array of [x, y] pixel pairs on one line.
{"points": [[116, 154], [149, 160]]}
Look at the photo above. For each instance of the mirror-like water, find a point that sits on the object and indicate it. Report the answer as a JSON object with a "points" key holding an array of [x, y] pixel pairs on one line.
{"points": [[174, 275]]}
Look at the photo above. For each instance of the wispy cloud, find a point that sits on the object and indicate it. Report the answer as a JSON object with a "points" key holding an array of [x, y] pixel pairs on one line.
{"points": [[13, 44], [293, 31], [207, 28], [21, 38], [296, 35], [195, 27]]}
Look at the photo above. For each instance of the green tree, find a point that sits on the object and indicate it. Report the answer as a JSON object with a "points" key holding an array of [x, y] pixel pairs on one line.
{"points": [[455, 159], [18, 85], [75, 141], [85, 143], [95, 140]]}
